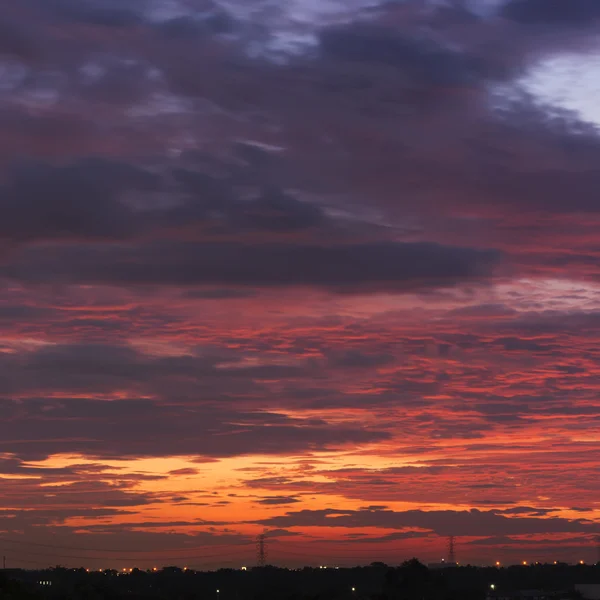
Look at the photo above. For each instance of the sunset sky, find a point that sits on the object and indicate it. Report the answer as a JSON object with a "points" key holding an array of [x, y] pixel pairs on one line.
{"points": [[323, 269]]}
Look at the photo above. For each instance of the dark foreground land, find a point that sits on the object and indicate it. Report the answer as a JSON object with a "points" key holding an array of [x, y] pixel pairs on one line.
{"points": [[410, 581]]}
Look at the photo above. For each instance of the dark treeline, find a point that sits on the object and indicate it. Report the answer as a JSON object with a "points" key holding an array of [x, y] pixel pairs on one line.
{"points": [[410, 581]]}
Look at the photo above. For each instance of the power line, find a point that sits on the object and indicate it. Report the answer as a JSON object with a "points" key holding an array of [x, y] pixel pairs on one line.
{"points": [[202, 554], [354, 550], [107, 551], [29, 562], [130, 559]]}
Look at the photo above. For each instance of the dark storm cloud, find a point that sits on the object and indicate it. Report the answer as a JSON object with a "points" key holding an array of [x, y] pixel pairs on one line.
{"points": [[85, 199], [275, 211], [213, 22], [117, 81], [216, 203], [421, 60], [344, 268], [84, 368], [80, 200], [468, 523], [572, 13], [141, 428], [16, 40], [103, 13], [549, 191]]}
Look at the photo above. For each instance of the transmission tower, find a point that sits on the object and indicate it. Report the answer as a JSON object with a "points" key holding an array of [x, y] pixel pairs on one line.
{"points": [[261, 550], [451, 552]]}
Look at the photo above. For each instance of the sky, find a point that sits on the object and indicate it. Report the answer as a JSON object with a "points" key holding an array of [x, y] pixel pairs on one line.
{"points": [[322, 270]]}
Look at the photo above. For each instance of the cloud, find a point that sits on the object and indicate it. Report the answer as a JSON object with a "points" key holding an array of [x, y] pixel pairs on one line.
{"points": [[355, 359], [16, 41], [111, 368], [190, 27], [277, 500], [271, 253], [81, 200], [184, 471], [116, 429], [343, 268], [444, 523], [420, 60], [216, 204], [102, 13], [575, 13]]}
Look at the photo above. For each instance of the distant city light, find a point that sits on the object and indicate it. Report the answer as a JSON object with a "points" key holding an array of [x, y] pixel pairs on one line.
{"points": [[353, 589], [525, 562], [581, 562], [492, 586], [244, 568], [497, 563]]}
